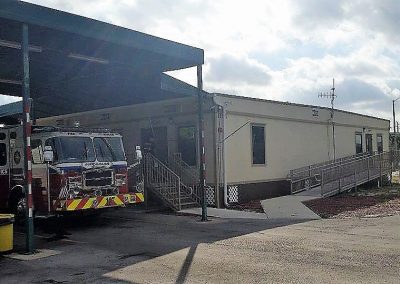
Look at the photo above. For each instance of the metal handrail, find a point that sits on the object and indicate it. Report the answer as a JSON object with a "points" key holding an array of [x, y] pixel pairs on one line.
{"points": [[309, 177], [165, 182], [190, 179], [327, 163], [349, 175]]}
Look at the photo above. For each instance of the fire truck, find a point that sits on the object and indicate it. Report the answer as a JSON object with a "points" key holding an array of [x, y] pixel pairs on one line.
{"points": [[73, 169]]}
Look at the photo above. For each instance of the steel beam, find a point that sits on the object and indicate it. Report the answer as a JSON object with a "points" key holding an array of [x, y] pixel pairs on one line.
{"points": [[27, 141], [202, 162]]}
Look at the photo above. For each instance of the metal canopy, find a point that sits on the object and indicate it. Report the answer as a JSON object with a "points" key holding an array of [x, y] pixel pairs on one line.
{"points": [[79, 64]]}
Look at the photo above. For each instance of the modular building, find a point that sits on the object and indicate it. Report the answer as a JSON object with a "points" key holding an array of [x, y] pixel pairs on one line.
{"points": [[250, 144]]}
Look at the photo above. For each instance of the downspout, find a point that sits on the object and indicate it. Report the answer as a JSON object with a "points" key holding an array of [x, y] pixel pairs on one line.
{"points": [[222, 144], [224, 158]]}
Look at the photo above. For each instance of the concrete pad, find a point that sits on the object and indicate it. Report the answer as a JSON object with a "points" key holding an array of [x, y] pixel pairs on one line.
{"points": [[40, 253], [288, 207], [225, 213], [316, 191]]}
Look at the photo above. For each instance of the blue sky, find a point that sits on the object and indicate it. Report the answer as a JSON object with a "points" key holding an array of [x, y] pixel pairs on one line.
{"points": [[285, 50]]}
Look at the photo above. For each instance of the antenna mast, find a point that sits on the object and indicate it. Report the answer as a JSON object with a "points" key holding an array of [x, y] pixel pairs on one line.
{"points": [[331, 95]]}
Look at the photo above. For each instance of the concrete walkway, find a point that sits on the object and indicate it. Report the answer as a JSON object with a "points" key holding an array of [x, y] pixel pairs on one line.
{"points": [[289, 207], [225, 213], [284, 207]]}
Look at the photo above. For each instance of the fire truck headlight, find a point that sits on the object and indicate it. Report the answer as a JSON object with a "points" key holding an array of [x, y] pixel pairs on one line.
{"points": [[71, 194], [120, 179], [75, 183]]}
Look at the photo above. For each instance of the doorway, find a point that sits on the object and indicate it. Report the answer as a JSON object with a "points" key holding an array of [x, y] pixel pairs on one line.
{"points": [[157, 140]]}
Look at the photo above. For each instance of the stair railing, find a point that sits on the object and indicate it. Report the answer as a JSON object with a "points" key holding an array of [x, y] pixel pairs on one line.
{"points": [[166, 183], [163, 181], [188, 176]]}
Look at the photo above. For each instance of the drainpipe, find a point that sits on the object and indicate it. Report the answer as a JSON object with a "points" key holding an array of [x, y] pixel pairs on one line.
{"points": [[224, 158], [226, 204]]}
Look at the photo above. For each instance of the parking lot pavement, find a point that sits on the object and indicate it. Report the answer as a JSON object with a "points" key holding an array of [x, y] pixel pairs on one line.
{"points": [[128, 247]]}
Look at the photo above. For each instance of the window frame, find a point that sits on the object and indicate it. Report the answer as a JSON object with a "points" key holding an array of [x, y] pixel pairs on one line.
{"points": [[196, 157], [252, 144], [377, 142], [6, 154], [355, 142]]}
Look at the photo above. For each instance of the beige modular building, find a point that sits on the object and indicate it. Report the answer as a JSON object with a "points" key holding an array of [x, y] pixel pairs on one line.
{"points": [[251, 144]]}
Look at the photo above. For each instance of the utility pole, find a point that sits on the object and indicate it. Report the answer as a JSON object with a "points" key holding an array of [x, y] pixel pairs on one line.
{"points": [[331, 95], [394, 125]]}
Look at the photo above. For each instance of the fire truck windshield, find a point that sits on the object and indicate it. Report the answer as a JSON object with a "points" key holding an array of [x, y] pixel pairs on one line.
{"points": [[84, 149], [72, 149], [108, 149]]}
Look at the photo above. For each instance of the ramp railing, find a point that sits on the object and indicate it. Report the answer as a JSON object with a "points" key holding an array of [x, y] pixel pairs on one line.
{"points": [[308, 177], [344, 176]]}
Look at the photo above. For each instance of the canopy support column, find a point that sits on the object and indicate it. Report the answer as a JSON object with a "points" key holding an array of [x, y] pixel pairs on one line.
{"points": [[202, 163], [27, 141]]}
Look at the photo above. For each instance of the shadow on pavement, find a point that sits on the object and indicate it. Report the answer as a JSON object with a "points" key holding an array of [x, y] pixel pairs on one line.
{"points": [[95, 245]]}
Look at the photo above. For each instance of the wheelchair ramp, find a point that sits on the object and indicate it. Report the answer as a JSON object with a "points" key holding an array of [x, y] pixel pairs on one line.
{"points": [[332, 177]]}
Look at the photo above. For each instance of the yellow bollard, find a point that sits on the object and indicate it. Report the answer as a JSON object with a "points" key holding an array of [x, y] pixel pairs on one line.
{"points": [[6, 232]]}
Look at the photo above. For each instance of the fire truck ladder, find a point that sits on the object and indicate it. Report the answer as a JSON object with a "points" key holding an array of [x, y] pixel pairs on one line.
{"points": [[333, 177], [168, 185]]}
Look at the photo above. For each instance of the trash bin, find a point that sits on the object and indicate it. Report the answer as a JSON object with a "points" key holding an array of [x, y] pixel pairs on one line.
{"points": [[6, 232]]}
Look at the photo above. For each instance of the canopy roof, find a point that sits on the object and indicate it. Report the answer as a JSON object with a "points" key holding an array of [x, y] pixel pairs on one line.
{"points": [[79, 64]]}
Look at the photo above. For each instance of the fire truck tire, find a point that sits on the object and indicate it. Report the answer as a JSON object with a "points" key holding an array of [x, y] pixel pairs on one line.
{"points": [[18, 206]]}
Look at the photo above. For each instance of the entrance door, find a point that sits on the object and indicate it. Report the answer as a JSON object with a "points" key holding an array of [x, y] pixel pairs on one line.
{"points": [[157, 139], [368, 143], [4, 168]]}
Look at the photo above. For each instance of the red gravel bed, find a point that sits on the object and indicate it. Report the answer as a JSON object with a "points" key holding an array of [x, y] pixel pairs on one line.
{"points": [[251, 206], [356, 206]]}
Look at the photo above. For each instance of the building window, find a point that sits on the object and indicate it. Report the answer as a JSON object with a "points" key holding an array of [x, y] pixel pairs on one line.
{"points": [[3, 154], [187, 144], [258, 144], [359, 147], [379, 143], [37, 151]]}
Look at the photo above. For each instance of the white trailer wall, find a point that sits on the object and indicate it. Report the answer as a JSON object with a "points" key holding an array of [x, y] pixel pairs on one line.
{"points": [[296, 136]]}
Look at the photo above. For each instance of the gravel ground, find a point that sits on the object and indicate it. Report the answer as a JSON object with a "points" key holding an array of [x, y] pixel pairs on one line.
{"points": [[375, 202]]}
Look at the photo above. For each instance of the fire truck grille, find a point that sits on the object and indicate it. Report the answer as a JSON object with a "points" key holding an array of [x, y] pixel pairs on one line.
{"points": [[98, 178]]}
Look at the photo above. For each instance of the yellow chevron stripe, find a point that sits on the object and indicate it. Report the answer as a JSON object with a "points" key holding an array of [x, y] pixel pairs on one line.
{"points": [[118, 201], [140, 196], [89, 203], [74, 204], [102, 203]]}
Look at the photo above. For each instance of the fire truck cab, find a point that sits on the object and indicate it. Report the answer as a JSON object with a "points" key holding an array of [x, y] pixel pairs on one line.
{"points": [[73, 169]]}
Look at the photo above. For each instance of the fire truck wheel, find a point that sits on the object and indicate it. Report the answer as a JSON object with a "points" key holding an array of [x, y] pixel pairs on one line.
{"points": [[18, 207]]}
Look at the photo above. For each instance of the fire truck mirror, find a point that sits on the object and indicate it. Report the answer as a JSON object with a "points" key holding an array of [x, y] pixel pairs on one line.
{"points": [[48, 154], [139, 154], [12, 143]]}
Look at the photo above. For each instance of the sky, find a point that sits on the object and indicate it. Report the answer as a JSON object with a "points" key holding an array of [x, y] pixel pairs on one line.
{"points": [[286, 50]]}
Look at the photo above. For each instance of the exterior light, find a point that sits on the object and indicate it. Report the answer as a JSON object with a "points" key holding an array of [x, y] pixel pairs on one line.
{"points": [[88, 58], [16, 45]]}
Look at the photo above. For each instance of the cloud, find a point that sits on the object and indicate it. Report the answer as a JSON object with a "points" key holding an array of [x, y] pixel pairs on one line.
{"points": [[313, 14], [234, 70], [285, 50], [8, 99]]}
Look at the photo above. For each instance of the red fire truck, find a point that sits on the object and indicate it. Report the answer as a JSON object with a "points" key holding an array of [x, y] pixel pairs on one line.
{"points": [[72, 170]]}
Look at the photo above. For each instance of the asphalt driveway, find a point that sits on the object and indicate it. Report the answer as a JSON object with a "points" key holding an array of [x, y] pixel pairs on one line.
{"points": [[124, 246]]}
